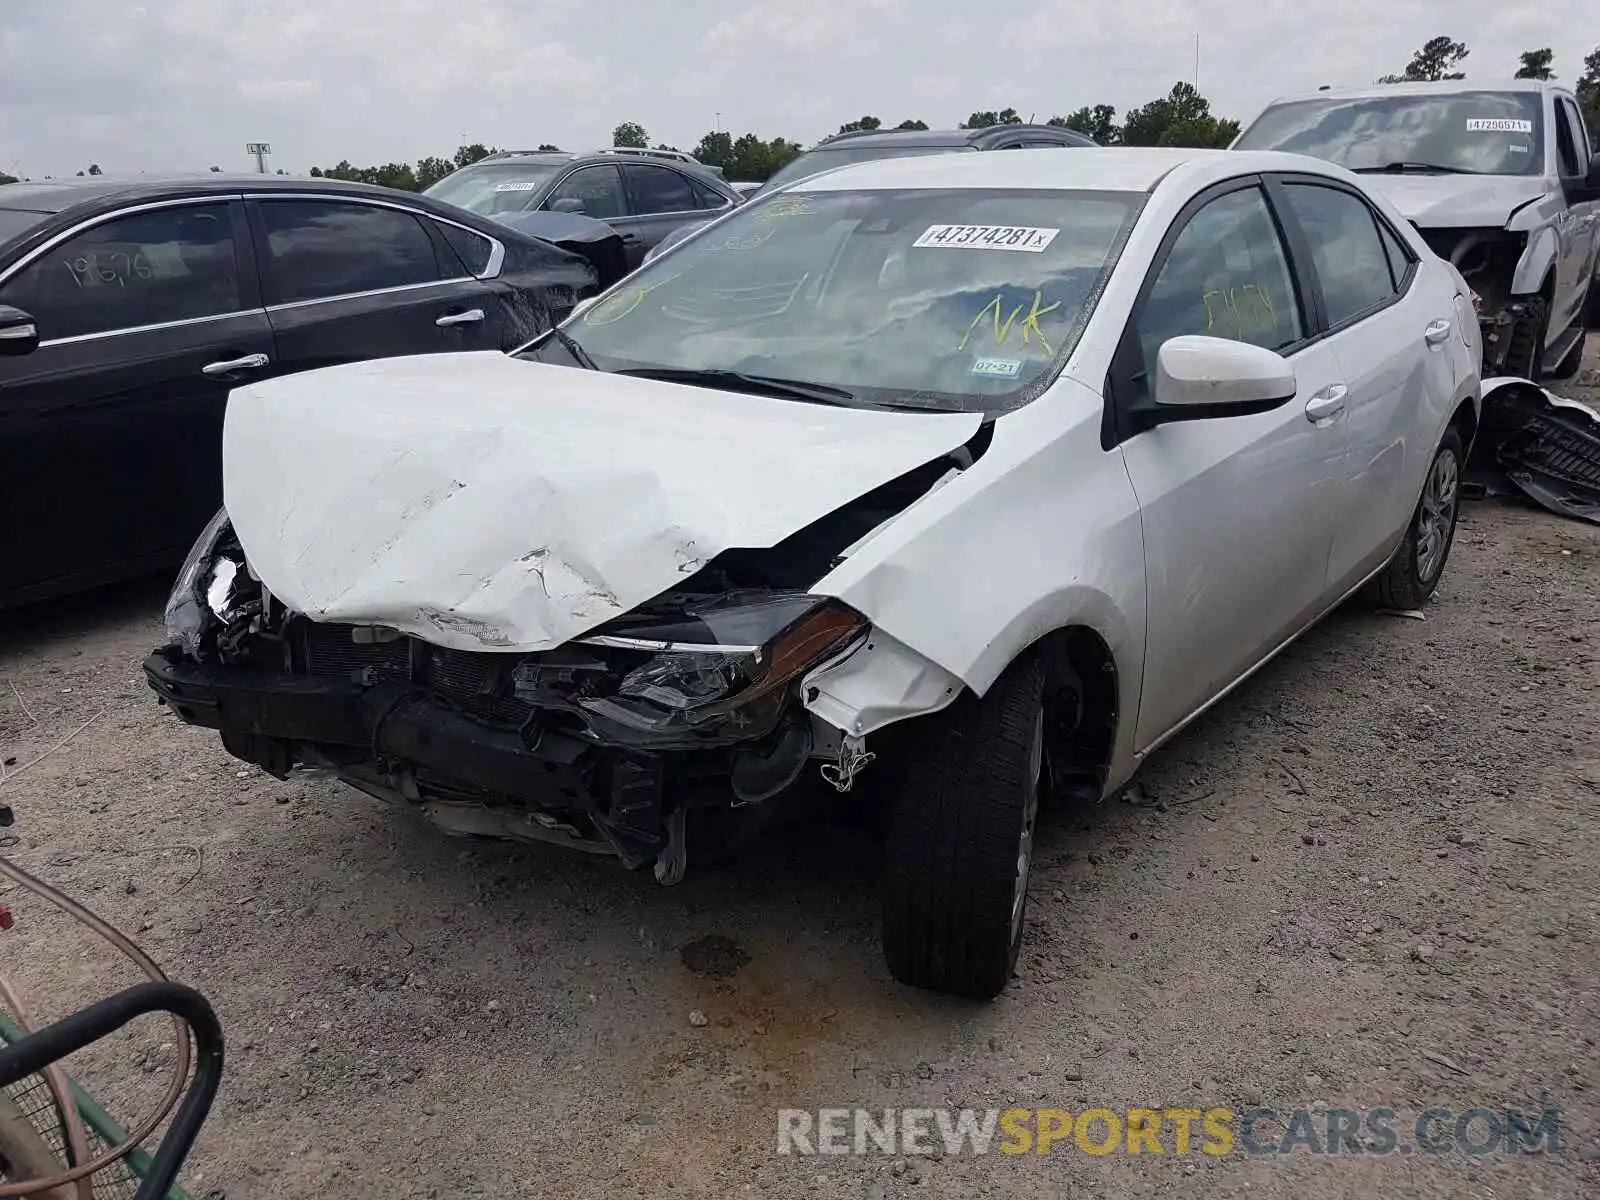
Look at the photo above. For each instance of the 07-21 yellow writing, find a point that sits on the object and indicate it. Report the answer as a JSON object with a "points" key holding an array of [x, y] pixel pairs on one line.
{"points": [[1003, 321]]}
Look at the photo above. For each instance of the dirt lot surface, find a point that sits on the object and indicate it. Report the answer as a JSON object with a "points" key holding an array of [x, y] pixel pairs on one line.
{"points": [[1369, 878]]}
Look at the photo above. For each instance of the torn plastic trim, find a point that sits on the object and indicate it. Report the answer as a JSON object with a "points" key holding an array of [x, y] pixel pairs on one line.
{"points": [[1540, 445], [877, 682]]}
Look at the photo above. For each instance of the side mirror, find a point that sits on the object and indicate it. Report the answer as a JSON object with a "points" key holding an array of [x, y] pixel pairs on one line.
{"points": [[567, 204], [19, 334], [1217, 377], [1592, 182]]}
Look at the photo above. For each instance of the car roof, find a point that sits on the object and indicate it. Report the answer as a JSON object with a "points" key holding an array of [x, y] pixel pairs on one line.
{"points": [[58, 195], [1438, 87], [1109, 169], [939, 137]]}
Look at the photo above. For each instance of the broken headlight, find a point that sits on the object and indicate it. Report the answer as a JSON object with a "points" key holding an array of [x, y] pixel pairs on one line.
{"points": [[730, 661], [206, 588]]}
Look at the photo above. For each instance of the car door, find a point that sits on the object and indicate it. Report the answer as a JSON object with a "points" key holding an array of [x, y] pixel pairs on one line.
{"points": [[536, 284], [1238, 511], [1580, 228], [661, 199], [1394, 330], [110, 430], [596, 191], [351, 279]]}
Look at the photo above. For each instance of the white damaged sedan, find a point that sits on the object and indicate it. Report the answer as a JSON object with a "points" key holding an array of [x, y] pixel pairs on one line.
{"points": [[982, 474]]}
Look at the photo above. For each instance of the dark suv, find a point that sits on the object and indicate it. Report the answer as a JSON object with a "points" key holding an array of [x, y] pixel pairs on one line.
{"points": [[864, 145], [642, 194]]}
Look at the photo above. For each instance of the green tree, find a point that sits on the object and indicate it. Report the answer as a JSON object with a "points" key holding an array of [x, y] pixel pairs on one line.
{"points": [[94, 169], [216, 170], [1099, 123], [5, 179], [465, 156], [1183, 117], [716, 150], [1536, 64], [912, 125], [861, 125], [546, 147], [1438, 59], [430, 170], [988, 118], [1588, 92], [630, 133]]}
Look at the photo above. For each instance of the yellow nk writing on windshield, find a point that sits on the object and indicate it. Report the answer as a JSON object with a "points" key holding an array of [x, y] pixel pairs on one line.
{"points": [[1004, 322]]}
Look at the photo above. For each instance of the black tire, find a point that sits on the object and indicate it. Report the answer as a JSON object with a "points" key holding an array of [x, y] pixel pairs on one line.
{"points": [[1414, 572], [960, 826], [1526, 351]]}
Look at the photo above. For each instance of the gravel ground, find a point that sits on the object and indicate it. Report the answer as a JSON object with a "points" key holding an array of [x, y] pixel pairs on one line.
{"points": [[1368, 878]]}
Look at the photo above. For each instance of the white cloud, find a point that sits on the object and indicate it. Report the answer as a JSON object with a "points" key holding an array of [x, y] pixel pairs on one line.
{"points": [[185, 83]]}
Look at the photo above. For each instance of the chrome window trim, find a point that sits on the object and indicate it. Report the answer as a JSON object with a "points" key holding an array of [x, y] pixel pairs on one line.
{"points": [[157, 327], [497, 255], [383, 291]]}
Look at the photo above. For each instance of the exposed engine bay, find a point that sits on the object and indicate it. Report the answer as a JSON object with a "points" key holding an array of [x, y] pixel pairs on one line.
{"points": [[1487, 260]]}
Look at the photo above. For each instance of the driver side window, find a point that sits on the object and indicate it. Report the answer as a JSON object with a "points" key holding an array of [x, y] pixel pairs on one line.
{"points": [[598, 189], [145, 268], [1226, 276]]}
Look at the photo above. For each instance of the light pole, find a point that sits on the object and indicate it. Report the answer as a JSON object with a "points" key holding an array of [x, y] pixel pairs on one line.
{"points": [[260, 150]]}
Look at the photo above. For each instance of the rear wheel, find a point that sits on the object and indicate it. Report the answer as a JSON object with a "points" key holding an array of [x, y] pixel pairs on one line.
{"points": [[959, 850], [1414, 571]]}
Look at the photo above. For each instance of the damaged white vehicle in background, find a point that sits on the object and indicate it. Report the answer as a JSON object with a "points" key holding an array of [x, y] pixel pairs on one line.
{"points": [[984, 474]]}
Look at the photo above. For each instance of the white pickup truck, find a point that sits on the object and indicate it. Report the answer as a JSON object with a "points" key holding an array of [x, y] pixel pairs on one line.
{"points": [[1500, 179]]}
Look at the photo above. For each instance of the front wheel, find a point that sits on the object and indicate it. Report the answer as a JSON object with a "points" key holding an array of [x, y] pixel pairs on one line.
{"points": [[960, 839], [1414, 571]]}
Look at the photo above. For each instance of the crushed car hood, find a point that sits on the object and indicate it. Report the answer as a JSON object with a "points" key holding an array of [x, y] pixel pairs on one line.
{"points": [[480, 501], [1457, 201]]}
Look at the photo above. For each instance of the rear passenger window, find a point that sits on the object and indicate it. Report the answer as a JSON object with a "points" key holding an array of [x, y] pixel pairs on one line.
{"points": [[1400, 259], [658, 190], [317, 249], [1227, 276], [1352, 264], [472, 248], [705, 197]]}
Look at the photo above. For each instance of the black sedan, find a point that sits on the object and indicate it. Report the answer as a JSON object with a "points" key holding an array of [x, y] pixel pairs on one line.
{"points": [[128, 310]]}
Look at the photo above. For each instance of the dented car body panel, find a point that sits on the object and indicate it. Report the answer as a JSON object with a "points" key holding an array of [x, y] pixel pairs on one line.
{"points": [[441, 470], [722, 526]]}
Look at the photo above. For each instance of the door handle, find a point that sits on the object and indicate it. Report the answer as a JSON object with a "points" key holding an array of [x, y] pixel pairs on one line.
{"points": [[250, 362], [460, 318], [1326, 404], [631, 239], [1436, 331]]}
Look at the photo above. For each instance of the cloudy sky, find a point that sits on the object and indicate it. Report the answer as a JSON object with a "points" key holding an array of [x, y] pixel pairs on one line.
{"points": [[183, 84]]}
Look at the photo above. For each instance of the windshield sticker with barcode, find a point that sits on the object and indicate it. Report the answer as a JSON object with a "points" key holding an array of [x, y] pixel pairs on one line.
{"points": [[987, 237], [1498, 125], [520, 185]]}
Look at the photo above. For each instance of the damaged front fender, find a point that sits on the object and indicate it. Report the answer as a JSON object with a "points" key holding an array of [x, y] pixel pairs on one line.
{"points": [[880, 680]]}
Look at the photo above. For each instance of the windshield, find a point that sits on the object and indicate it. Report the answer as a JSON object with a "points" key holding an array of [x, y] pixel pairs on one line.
{"points": [[1481, 133], [946, 299], [494, 188], [827, 158], [14, 222]]}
